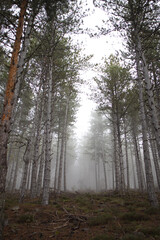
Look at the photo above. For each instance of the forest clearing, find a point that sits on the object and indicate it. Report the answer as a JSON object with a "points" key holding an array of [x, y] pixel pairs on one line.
{"points": [[87, 216]]}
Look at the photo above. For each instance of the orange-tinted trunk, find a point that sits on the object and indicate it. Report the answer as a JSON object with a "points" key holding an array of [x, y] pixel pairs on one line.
{"points": [[9, 94], [9, 98]]}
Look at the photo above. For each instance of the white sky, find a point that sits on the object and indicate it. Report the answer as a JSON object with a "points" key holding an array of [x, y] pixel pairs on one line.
{"points": [[101, 47]]}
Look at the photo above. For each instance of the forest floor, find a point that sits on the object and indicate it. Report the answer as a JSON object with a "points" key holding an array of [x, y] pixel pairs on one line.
{"points": [[85, 216]]}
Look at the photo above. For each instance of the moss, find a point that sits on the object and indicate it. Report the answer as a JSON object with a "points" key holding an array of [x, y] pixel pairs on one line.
{"points": [[118, 201], [137, 236], [153, 231], [11, 202], [133, 216], [152, 211], [103, 237], [100, 219]]}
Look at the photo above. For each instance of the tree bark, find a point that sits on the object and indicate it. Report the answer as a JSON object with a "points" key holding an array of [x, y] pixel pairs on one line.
{"points": [[148, 169], [126, 150], [155, 158], [122, 180], [8, 100], [64, 131], [115, 157], [21, 64], [65, 165], [47, 169], [26, 158], [7, 111], [41, 168], [16, 171], [137, 159], [37, 124], [57, 160]]}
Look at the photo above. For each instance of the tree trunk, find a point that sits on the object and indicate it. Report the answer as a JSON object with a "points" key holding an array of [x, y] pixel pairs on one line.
{"points": [[10, 182], [37, 124], [96, 164], [21, 63], [29, 176], [155, 158], [41, 168], [15, 171], [64, 131], [122, 181], [148, 169], [156, 84], [104, 166], [57, 160], [115, 157], [126, 150], [9, 97], [133, 167], [7, 111], [47, 168], [151, 101], [137, 159], [65, 163], [26, 158]]}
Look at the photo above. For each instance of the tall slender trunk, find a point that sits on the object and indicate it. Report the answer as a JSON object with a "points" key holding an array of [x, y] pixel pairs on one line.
{"points": [[65, 163], [96, 163], [155, 158], [113, 174], [41, 168], [57, 159], [9, 163], [16, 171], [122, 180], [156, 84], [21, 63], [10, 182], [104, 166], [37, 124], [151, 101], [7, 111], [137, 159], [26, 158], [29, 176], [47, 168], [105, 176], [115, 157], [147, 161], [126, 150], [133, 167], [64, 131]]}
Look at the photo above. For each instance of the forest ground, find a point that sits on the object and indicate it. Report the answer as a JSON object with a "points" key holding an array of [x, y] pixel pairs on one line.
{"points": [[82, 216]]}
